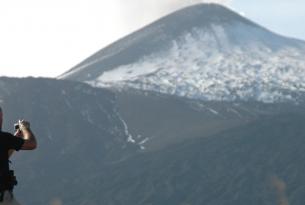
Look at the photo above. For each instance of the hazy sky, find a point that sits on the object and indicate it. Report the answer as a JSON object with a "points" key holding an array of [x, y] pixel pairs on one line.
{"points": [[48, 37]]}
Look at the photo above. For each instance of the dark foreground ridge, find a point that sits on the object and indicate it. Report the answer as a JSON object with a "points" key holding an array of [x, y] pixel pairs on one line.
{"points": [[84, 157]]}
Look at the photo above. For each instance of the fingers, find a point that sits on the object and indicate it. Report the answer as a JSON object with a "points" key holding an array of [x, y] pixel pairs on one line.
{"points": [[23, 124], [18, 133]]}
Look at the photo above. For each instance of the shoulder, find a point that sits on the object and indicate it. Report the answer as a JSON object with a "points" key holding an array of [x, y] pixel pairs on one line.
{"points": [[5, 135], [10, 141]]}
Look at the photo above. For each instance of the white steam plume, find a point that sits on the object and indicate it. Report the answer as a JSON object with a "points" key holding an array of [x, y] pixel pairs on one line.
{"points": [[139, 12]]}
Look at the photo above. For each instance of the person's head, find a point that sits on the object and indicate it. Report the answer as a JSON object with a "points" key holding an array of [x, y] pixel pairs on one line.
{"points": [[1, 118]]}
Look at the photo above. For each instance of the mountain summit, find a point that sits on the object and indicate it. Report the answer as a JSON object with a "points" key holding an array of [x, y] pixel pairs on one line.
{"points": [[205, 51]]}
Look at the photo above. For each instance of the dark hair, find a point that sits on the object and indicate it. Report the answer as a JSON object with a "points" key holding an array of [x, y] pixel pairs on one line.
{"points": [[0, 109]]}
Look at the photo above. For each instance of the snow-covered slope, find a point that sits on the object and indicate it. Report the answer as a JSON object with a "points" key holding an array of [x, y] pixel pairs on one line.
{"points": [[206, 52]]}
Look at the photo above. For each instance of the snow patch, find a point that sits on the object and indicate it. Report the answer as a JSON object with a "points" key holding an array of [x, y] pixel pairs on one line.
{"points": [[144, 141], [235, 112], [213, 111], [224, 63], [130, 138]]}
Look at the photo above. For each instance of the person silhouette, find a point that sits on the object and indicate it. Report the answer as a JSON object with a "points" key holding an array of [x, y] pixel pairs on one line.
{"points": [[23, 139]]}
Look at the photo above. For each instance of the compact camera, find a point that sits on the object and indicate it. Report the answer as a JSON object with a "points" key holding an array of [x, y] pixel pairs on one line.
{"points": [[16, 126]]}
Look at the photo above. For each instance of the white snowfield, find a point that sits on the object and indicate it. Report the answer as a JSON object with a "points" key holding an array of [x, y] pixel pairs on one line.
{"points": [[228, 62]]}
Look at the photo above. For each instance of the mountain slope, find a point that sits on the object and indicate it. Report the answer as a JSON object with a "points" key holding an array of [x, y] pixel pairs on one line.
{"points": [[198, 152], [205, 52], [79, 132], [156, 121], [260, 163]]}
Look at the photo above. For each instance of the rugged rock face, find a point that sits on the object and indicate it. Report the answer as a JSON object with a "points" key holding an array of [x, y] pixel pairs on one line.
{"points": [[202, 52]]}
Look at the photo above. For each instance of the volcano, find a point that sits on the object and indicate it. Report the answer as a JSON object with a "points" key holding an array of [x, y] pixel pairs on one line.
{"points": [[206, 52]]}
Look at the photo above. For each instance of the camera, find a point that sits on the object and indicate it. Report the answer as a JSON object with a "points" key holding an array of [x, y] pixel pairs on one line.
{"points": [[16, 126]]}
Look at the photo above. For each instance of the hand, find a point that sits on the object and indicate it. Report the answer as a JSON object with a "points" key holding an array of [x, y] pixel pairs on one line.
{"points": [[18, 133], [23, 125]]}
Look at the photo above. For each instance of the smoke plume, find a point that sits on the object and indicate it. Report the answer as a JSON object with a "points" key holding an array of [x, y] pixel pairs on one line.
{"points": [[139, 12]]}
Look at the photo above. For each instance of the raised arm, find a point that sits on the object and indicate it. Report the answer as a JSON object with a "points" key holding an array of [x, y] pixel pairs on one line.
{"points": [[30, 142]]}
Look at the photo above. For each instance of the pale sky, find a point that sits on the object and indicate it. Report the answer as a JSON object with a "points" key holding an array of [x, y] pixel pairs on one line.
{"points": [[48, 37]]}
